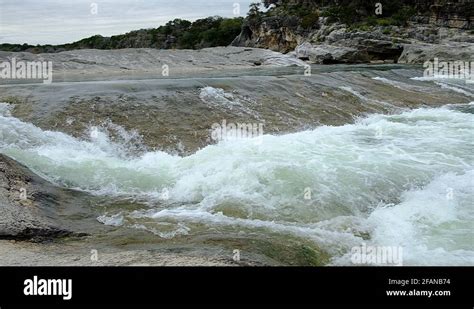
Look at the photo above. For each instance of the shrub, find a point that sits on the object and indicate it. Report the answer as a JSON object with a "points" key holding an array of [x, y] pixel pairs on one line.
{"points": [[402, 17], [385, 21], [310, 21], [341, 14], [371, 21]]}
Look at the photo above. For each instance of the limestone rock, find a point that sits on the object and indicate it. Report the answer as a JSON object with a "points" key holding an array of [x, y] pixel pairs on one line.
{"points": [[327, 54], [419, 53], [27, 204]]}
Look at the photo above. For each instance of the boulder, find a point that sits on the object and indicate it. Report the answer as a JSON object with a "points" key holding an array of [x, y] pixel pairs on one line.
{"points": [[453, 51], [380, 49], [28, 204], [328, 54]]}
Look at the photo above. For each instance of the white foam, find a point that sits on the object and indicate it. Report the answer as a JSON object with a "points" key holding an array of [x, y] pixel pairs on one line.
{"points": [[217, 96], [433, 224], [455, 89], [351, 170], [364, 98], [399, 85]]}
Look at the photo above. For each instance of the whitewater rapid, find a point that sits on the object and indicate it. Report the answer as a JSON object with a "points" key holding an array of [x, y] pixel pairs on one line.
{"points": [[406, 180]]}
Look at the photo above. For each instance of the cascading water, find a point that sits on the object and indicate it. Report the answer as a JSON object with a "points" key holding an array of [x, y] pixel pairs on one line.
{"points": [[403, 180]]}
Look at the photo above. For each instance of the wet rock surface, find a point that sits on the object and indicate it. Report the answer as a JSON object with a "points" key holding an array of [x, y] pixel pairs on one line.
{"points": [[175, 113], [30, 207], [141, 63]]}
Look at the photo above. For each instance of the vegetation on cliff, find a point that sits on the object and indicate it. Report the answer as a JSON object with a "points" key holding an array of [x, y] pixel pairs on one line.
{"points": [[362, 13], [350, 12], [179, 34], [271, 22]]}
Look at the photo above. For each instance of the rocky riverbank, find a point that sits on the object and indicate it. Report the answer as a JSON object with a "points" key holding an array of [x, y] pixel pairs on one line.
{"points": [[96, 110], [335, 43], [143, 63], [413, 45], [91, 92], [329, 32], [42, 224]]}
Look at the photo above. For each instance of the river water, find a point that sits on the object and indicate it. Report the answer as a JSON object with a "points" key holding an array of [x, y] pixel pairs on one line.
{"points": [[381, 173]]}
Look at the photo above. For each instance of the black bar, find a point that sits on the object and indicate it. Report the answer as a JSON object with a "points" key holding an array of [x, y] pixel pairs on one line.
{"points": [[189, 285]]}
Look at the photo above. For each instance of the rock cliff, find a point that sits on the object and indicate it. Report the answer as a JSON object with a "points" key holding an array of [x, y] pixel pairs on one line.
{"points": [[338, 32]]}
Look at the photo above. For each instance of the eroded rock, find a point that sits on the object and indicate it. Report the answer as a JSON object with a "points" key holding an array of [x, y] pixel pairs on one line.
{"points": [[28, 204], [419, 53], [329, 54]]}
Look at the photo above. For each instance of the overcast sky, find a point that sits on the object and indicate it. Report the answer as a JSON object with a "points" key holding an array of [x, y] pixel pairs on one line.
{"points": [[65, 21]]}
